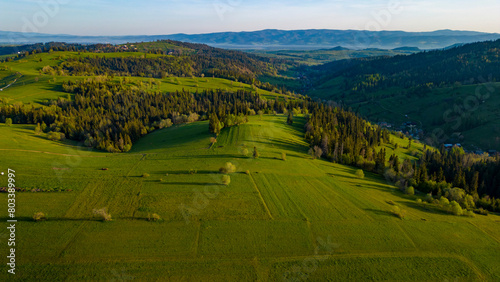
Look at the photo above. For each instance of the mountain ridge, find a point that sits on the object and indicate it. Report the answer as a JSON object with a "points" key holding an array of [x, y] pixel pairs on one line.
{"points": [[275, 38]]}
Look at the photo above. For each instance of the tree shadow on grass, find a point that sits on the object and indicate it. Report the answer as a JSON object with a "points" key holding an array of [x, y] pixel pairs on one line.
{"points": [[192, 183], [214, 156], [49, 218], [428, 208], [381, 212], [185, 172], [283, 145]]}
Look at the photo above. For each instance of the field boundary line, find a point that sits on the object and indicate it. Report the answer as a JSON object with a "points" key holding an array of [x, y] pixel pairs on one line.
{"points": [[67, 245], [50, 153], [263, 202], [407, 236], [197, 240], [489, 235]]}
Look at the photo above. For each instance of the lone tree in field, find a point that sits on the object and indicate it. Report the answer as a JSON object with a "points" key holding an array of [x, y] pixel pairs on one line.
{"points": [[283, 156], [226, 179], [255, 153], [39, 216], [213, 140], [8, 121], [289, 120], [102, 214], [228, 168], [244, 152], [360, 174]]}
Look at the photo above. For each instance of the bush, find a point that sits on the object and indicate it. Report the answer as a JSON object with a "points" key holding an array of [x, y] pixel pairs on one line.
{"points": [[154, 217], [244, 152], [145, 175], [228, 168], [360, 174], [247, 172], [410, 191], [39, 216], [8, 121], [481, 211], [419, 201], [56, 136], [443, 201], [469, 213], [226, 179], [455, 208], [429, 199], [102, 214], [193, 171], [283, 156], [398, 212]]}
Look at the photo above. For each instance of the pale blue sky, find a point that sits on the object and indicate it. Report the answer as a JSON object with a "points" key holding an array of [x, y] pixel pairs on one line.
{"points": [[131, 17]]}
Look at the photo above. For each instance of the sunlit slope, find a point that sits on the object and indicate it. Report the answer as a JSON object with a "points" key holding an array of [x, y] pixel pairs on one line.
{"points": [[284, 219], [29, 84]]}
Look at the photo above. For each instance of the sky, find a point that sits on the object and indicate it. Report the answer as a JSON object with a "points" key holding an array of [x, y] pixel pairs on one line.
{"points": [[155, 17]]}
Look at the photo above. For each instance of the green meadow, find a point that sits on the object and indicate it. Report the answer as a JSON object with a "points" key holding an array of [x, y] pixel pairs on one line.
{"points": [[294, 219]]}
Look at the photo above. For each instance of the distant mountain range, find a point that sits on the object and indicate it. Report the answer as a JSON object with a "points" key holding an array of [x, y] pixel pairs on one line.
{"points": [[279, 39]]}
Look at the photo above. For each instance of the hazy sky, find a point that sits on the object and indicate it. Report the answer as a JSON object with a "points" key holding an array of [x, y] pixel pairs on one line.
{"points": [[131, 17]]}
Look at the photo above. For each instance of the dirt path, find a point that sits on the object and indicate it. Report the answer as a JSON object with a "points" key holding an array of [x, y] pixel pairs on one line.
{"points": [[1, 89]]}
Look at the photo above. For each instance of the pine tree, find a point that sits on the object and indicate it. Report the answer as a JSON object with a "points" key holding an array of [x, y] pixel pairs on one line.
{"points": [[255, 153], [290, 118]]}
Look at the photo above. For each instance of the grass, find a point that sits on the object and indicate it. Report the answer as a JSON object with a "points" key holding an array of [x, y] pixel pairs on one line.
{"points": [[263, 226]]}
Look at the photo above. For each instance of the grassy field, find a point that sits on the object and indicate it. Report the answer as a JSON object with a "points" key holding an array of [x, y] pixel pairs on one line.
{"points": [[296, 219]]}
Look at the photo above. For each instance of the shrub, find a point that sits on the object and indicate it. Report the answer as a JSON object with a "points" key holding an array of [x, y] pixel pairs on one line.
{"points": [[102, 214], [469, 213], [429, 198], [419, 201], [56, 136], [398, 212], [228, 168], [247, 172], [226, 179], [443, 201], [39, 216], [145, 175], [193, 171], [410, 191], [154, 217], [455, 208], [481, 211], [283, 156], [8, 121], [360, 174], [244, 152]]}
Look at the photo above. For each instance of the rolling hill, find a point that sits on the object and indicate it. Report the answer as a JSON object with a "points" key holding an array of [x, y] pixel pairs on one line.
{"points": [[180, 212], [280, 220], [451, 94]]}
